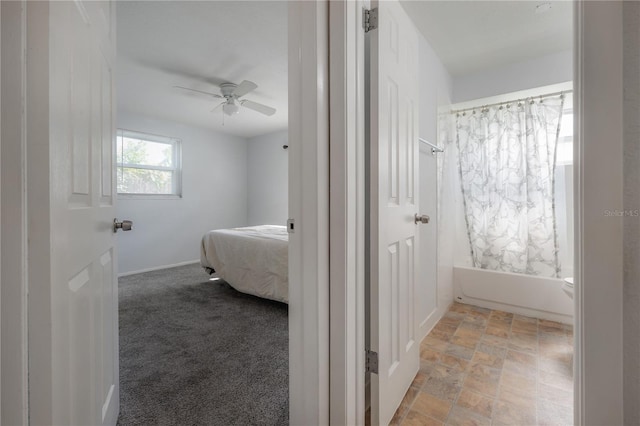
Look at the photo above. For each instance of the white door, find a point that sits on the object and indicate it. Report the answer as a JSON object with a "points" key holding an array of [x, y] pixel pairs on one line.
{"points": [[394, 202], [84, 297]]}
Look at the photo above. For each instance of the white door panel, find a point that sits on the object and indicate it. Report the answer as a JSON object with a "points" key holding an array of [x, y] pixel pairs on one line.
{"points": [[84, 286], [394, 202]]}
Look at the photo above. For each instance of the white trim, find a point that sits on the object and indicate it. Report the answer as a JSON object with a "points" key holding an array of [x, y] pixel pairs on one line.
{"points": [[1, 191], [38, 169], [347, 387], [176, 168], [598, 162], [631, 160], [148, 197], [309, 207], [158, 268], [578, 315], [14, 335], [145, 136]]}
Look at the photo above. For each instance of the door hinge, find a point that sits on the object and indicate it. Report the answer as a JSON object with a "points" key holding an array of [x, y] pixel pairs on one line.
{"points": [[291, 226], [371, 362], [370, 19]]}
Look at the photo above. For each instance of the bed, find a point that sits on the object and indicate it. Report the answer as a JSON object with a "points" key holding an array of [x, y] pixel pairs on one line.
{"points": [[252, 260]]}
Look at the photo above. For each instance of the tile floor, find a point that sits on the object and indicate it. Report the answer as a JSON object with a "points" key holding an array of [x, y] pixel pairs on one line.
{"points": [[484, 367]]}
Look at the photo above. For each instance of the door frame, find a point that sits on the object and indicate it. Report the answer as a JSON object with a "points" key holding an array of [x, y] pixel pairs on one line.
{"points": [[22, 118], [309, 313], [13, 297], [347, 213], [327, 385], [309, 319], [598, 186], [598, 245]]}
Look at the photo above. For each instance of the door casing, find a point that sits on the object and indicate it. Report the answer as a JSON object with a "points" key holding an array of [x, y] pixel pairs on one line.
{"points": [[309, 208], [13, 215], [347, 214], [598, 185]]}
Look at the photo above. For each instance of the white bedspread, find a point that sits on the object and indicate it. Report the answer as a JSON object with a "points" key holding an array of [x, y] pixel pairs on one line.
{"points": [[252, 260]]}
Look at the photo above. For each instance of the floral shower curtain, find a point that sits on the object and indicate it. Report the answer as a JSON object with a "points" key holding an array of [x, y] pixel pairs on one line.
{"points": [[506, 162]]}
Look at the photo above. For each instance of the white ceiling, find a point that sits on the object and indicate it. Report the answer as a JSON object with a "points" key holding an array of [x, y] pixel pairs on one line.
{"points": [[200, 45], [204, 43], [472, 36]]}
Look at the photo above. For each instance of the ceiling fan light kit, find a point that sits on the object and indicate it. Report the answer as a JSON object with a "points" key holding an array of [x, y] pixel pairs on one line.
{"points": [[231, 93], [230, 108]]}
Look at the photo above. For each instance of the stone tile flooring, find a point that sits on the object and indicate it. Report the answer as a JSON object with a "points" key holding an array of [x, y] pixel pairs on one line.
{"points": [[484, 367]]}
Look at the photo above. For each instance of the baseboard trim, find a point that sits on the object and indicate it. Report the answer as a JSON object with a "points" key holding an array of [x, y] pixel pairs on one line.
{"points": [[157, 268]]}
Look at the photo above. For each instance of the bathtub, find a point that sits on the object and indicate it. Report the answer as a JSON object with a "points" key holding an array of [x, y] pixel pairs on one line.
{"points": [[521, 294]]}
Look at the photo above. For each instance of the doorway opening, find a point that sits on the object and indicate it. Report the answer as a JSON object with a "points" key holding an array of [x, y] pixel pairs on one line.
{"points": [[495, 273], [204, 272]]}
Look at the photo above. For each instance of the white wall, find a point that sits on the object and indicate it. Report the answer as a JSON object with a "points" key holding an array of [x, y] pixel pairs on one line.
{"points": [[214, 195], [436, 265], [268, 185], [631, 292], [436, 90], [538, 72], [599, 286]]}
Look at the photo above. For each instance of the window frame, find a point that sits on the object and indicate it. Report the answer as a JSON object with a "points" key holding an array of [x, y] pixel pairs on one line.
{"points": [[176, 182], [567, 139]]}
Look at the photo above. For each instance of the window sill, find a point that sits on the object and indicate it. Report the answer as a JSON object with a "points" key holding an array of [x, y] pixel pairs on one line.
{"points": [[149, 197]]}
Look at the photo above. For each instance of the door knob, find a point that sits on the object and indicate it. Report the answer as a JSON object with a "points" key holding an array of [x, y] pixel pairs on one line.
{"points": [[125, 225], [421, 218]]}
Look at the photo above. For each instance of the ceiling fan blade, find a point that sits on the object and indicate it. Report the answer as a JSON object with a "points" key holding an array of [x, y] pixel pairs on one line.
{"points": [[263, 109], [218, 106], [215, 95], [243, 88]]}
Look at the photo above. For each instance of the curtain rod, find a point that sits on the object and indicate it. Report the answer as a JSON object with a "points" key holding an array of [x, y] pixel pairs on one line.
{"points": [[528, 98], [434, 148]]}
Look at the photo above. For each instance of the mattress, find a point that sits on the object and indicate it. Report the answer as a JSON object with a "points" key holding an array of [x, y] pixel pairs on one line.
{"points": [[253, 260]]}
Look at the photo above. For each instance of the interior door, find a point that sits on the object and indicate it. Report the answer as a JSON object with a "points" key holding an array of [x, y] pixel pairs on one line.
{"points": [[394, 202], [84, 297]]}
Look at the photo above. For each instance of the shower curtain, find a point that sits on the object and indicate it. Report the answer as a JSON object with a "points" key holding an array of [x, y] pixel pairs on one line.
{"points": [[506, 161]]}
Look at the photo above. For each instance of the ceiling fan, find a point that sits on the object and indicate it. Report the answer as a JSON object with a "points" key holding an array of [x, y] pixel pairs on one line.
{"points": [[231, 93]]}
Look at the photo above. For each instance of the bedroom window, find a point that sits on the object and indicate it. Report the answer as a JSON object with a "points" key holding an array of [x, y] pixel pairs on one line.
{"points": [[148, 165]]}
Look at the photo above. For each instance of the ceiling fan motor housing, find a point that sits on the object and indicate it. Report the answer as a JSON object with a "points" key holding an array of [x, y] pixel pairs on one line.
{"points": [[227, 89]]}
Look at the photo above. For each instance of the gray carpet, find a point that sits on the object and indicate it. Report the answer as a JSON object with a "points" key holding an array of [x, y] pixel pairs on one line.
{"points": [[197, 352]]}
